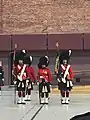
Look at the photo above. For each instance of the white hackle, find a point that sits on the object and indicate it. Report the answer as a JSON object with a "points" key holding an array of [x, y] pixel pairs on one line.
{"points": [[31, 58]]}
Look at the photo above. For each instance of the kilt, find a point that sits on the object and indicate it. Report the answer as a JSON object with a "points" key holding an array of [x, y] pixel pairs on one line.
{"points": [[44, 84], [63, 86], [29, 85], [21, 85]]}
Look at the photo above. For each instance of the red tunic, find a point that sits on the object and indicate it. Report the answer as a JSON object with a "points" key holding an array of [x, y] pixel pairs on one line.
{"points": [[45, 73], [18, 70], [70, 74], [31, 73]]}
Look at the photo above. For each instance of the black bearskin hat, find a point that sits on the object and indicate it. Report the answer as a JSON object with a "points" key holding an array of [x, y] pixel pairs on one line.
{"points": [[18, 56], [64, 56], [43, 61], [28, 60]]}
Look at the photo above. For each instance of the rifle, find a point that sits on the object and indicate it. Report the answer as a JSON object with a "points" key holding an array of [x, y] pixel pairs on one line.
{"points": [[57, 58], [13, 75]]}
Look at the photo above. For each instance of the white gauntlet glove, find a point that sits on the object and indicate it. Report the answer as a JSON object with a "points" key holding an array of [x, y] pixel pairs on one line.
{"points": [[15, 82], [32, 83], [3, 79]]}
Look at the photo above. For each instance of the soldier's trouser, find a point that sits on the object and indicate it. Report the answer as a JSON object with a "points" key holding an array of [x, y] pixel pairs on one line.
{"points": [[21, 93], [64, 93]]}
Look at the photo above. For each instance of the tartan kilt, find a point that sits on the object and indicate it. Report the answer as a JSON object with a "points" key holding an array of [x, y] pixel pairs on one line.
{"points": [[63, 86], [43, 84], [29, 85], [21, 85]]}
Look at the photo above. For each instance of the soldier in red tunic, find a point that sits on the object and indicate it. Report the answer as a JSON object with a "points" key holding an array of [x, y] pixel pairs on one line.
{"points": [[44, 77], [21, 73], [65, 77], [31, 77]]}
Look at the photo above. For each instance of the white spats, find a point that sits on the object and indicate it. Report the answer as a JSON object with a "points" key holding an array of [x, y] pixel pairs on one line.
{"points": [[63, 100], [23, 101], [27, 98], [19, 100], [42, 100], [67, 100], [46, 100], [0, 93]]}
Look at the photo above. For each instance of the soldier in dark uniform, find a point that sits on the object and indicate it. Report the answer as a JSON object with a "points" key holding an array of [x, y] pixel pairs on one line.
{"points": [[1, 76], [65, 77], [58, 59]]}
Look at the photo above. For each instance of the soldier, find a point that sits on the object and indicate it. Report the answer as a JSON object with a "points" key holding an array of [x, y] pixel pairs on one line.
{"points": [[65, 77], [44, 77], [14, 61], [58, 59], [1, 76], [32, 78], [21, 73]]}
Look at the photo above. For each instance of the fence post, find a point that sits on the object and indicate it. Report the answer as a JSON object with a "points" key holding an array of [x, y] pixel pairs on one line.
{"points": [[83, 41]]}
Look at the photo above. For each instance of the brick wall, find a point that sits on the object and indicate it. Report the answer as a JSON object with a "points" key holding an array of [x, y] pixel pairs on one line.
{"points": [[0, 15], [30, 16]]}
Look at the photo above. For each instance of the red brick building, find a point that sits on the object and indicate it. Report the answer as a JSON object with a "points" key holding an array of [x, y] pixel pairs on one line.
{"points": [[64, 21]]}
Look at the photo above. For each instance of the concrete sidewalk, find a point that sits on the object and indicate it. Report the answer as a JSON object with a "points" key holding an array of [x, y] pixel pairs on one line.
{"points": [[34, 111]]}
